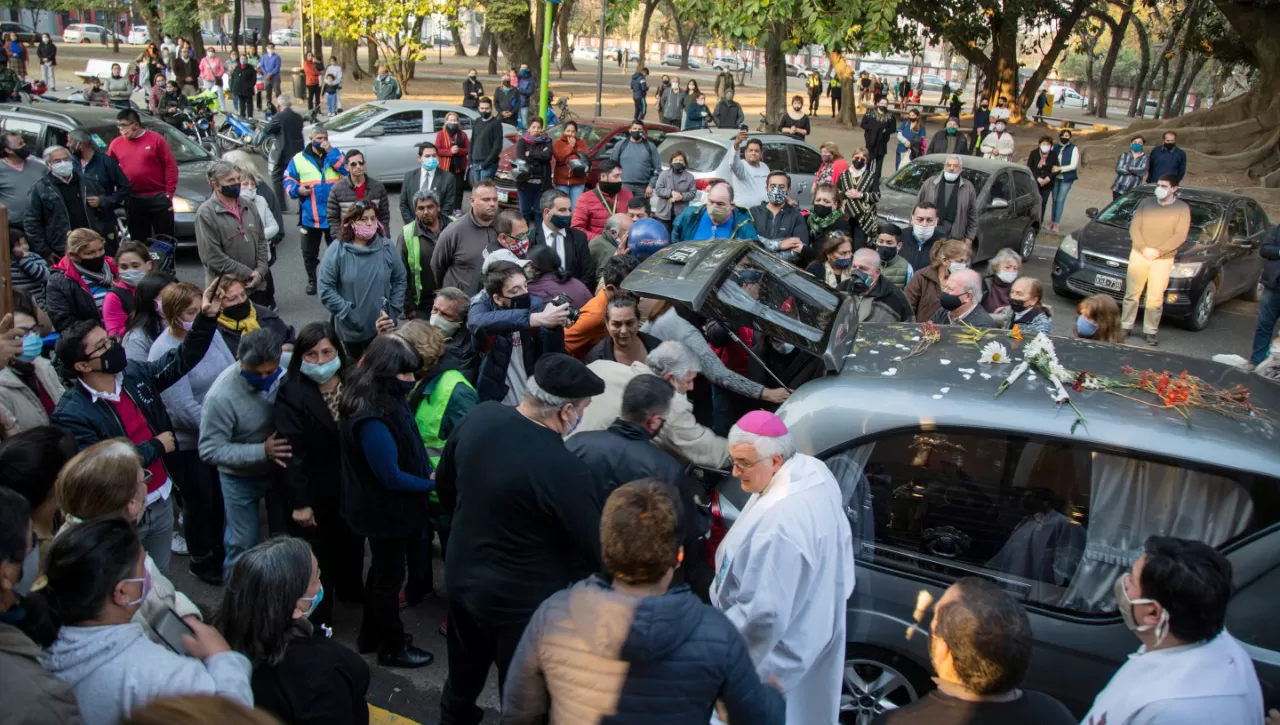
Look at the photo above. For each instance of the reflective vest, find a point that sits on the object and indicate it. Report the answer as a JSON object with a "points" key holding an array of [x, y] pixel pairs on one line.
{"points": [[320, 182], [412, 251], [814, 81], [431, 411]]}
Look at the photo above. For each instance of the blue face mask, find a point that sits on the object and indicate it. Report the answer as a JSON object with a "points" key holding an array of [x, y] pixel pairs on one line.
{"points": [[32, 346], [321, 373], [1135, 147], [842, 263], [431, 163], [1086, 327], [260, 383], [315, 601]]}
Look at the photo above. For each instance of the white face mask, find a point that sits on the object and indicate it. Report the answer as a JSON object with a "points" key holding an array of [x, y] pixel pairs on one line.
{"points": [[1162, 193], [248, 194], [951, 175], [1126, 605], [922, 233], [957, 267], [1045, 148], [1007, 277]]}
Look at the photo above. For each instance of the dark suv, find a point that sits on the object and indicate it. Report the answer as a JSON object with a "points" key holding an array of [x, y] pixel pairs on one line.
{"points": [[1218, 262]]}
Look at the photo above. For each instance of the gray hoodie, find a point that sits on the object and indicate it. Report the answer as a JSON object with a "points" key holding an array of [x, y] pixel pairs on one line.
{"points": [[114, 669], [357, 283]]}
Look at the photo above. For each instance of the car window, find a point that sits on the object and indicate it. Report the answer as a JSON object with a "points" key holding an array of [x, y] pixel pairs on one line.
{"points": [[184, 149], [807, 160], [776, 157], [401, 123], [1026, 187], [910, 178], [1052, 522], [656, 135], [29, 130], [1001, 189], [613, 140], [703, 155], [1249, 614], [357, 116], [437, 120], [1257, 219], [1206, 218]]}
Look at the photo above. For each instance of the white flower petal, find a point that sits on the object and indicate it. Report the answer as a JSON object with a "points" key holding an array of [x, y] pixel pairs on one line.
{"points": [[945, 361], [937, 397], [890, 371]]}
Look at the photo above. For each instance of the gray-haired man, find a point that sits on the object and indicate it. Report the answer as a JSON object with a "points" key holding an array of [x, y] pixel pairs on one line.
{"points": [[416, 244], [59, 202], [232, 244], [616, 228]]}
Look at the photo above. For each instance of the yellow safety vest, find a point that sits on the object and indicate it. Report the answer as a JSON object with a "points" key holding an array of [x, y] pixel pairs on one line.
{"points": [[430, 415]]}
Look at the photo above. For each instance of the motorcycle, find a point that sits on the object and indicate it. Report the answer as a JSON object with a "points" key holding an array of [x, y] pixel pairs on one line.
{"points": [[236, 132], [194, 124]]}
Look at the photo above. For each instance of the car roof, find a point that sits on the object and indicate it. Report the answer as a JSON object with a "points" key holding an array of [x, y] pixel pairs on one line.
{"points": [[606, 122], [977, 163], [1195, 193], [876, 392], [73, 113], [724, 136], [415, 103]]}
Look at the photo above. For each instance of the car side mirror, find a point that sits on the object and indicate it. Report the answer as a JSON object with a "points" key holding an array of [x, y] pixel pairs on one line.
{"points": [[999, 203], [1091, 212], [373, 132]]}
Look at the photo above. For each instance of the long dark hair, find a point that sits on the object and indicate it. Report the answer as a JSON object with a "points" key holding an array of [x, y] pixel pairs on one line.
{"points": [[256, 614], [308, 337], [545, 260], [144, 304], [347, 233], [368, 388], [84, 565]]}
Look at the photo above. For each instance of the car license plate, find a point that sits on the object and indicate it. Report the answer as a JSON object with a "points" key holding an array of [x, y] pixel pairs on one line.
{"points": [[1106, 281], [502, 195]]}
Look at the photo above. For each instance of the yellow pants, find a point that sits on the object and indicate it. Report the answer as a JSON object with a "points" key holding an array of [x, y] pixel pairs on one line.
{"points": [[1154, 275]]}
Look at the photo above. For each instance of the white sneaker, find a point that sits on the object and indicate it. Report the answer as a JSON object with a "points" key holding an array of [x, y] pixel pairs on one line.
{"points": [[179, 545]]}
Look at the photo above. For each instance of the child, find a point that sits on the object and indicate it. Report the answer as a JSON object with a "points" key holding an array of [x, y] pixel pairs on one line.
{"points": [[331, 88], [27, 269]]}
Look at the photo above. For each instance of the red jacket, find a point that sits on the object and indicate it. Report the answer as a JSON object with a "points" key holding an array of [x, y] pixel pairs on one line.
{"points": [[147, 162], [591, 213], [455, 164]]}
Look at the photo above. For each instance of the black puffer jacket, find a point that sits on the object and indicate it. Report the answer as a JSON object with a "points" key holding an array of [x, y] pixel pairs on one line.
{"points": [[47, 221], [1270, 251], [491, 327], [625, 660]]}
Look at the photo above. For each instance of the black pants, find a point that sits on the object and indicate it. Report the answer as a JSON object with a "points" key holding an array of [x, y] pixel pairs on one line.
{"points": [[311, 247], [277, 182], [380, 624], [340, 553], [1045, 193], [875, 171], [148, 216], [815, 97], [244, 105], [202, 517], [837, 100], [421, 560], [313, 97], [474, 645], [641, 107]]}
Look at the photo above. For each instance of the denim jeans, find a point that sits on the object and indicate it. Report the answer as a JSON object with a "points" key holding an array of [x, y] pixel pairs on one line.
{"points": [[156, 532], [530, 195], [574, 192], [240, 497], [331, 103], [480, 172], [524, 117], [1060, 190], [1268, 314]]}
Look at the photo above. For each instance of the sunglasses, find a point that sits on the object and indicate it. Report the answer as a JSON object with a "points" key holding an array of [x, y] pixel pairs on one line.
{"points": [[355, 163]]}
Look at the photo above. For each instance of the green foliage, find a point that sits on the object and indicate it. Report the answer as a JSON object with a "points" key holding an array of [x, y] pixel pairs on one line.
{"points": [[840, 24], [507, 16], [392, 27]]}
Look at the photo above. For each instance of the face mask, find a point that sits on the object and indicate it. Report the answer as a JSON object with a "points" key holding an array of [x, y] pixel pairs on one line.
{"points": [[844, 263], [1007, 277], [518, 245], [1162, 193], [1045, 148], [952, 130], [678, 167], [445, 325], [451, 126], [260, 383], [315, 601], [950, 302], [62, 169], [318, 149], [93, 264], [957, 267], [886, 253], [776, 196], [321, 373], [520, 302], [524, 73], [1018, 305], [691, 89], [883, 108], [860, 282], [365, 230], [21, 153], [400, 388], [1126, 605], [560, 221], [821, 210], [187, 324], [248, 194], [146, 587], [985, 107], [431, 163], [571, 427], [231, 191], [32, 346], [238, 311], [472, 76], [951, 175], [486, 114], [859, 164], [637, 135], [999, 128], [922, 233], [610, 187], [1169, 146], [1135, 147], [113, 360], [1064, 140], [132, 277], [784, 348], [1086, 327], [719, 215]]}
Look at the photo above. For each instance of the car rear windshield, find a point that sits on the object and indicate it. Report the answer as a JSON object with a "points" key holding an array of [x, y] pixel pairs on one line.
{"points": [[913, 175], [350, 119], [184, 149], [591, 134], [1206, 217], [702, 154]]}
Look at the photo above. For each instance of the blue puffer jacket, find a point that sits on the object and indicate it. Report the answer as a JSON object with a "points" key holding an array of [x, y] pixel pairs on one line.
{"points": [[320, 178], [491, 327], [618, 659]]}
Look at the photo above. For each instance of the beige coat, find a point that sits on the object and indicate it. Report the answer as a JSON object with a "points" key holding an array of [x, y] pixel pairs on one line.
{"points": [[681, 436], [20, 403]]}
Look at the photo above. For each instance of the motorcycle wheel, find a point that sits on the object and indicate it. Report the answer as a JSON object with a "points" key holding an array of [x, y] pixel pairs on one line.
{"points": [[212, 146], [266, 145]]}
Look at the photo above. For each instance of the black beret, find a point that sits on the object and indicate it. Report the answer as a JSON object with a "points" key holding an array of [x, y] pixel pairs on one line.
{"points": [[566, 377]]}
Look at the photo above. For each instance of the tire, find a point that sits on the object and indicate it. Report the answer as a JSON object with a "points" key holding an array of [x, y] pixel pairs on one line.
{"points": [[875, 679], [1028, 243], [1203, 309]]}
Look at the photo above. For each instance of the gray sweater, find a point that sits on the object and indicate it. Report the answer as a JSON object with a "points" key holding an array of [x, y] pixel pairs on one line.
{"points": [[235, 421], [671, 326], [16, 185], [357, 283], [639, 161], [185, 398], [137, 345]]}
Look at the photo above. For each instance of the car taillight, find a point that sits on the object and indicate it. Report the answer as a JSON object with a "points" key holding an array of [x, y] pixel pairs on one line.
{"points": [[718, 530], [704, 184]]}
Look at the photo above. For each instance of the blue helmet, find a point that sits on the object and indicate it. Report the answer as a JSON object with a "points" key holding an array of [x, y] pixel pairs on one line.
{"points": [[647, 236]]}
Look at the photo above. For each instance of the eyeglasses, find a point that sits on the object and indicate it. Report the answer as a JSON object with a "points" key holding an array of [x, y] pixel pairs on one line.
{"points": [[742, 467], [106, 344]]}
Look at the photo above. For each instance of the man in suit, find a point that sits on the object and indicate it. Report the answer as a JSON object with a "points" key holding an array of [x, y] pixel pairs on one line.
{"points": [[428, 175], [287, 127], [570, 244]]}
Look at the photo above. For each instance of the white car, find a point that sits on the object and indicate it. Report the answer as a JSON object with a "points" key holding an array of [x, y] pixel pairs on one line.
{"points": [[285, 36], [727, 63], [138, 35], [1064, 97], [85, 33], [673, 60]]}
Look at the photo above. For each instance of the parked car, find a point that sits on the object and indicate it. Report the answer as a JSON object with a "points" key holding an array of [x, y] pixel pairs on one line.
{"points": [[611, 54], [1008, 202], [673, 60], [584, 51], [600, 134], [386, 131], [708, 152], [26, 35], [928, 82], [944, 485], [727, 62], [1066, 97], [795, 71], [85, 33], [138, 35], [1219, 261], [47, 124], [211, 37], [285, 36]]}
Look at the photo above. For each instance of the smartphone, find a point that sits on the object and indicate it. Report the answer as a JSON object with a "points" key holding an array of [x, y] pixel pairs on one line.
{"points": [[171, 629], [218, 283], [743, 127]]}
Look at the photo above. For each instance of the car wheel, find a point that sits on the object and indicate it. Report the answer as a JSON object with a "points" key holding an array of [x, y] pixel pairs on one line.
{"points": [[1028, 243], [1203, 310], [83, 40], [876, 681]]}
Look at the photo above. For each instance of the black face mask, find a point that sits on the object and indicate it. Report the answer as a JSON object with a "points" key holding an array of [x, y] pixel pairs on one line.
{"points": [[520, 302], [637, 135], [486, 114], [238, 311], [231, 191], [859, 282], [950, 302], [318, 150], [1017, 305], [1064, 140], [886, 253], [610, 187], [21, 153], [821, 210], [113, 360], [677, 167], [1167, 146], [859, 164], [93, 264], [401, 388]]}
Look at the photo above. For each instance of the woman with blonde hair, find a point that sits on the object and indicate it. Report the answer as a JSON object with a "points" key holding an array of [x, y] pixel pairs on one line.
{"points": [[924, 291], [201, 534], [1099, 319], [107, 480], [79, 282], [859, 192], [833, 165]]}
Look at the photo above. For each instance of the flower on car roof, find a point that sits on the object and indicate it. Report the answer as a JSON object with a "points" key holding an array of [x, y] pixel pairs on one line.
{"points": [[994, 352]]}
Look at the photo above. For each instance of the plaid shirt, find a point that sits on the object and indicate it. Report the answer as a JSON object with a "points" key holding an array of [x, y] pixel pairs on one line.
{"points": [[1130, 171]]}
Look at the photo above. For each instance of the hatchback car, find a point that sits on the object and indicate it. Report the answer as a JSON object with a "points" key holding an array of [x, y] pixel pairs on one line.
{"points": [[1064, 97], [942, 480], [708, 152], [673, 60], [386, 131], [727, 62], [1218, 262], [600, 135], [1008, 203], [285, 36], [25, 34], [85, 33], [139, 35], [48, 124]]}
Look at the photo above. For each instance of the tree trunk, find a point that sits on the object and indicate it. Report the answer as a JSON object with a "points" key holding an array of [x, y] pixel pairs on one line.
{"points": [[848, 95], [373, 56], [484, 41], [455, 31], [1109, 63], [775, 77], [1142, 85], [566, 48], [146, 9], [1197, 65], [1026, 98], [1091, 82], [1002, 65], [414, 32], [265, 35], [347, 58], [649, 7], [237, 19], [1171, 88], [684, 38], [493, 54]]}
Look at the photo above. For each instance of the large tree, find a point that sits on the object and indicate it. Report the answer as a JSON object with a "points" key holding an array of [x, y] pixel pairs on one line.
{"points": [[392, 30]]}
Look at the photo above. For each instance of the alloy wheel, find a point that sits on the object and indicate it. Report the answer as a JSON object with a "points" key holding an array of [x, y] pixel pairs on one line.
{"points": [[871, 688], [1028, 243], [1204, 307]]}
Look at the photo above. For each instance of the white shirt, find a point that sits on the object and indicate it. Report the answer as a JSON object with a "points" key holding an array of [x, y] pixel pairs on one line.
{"points": [[425, 178], [555, 240], [96, 395], [749, 182]]}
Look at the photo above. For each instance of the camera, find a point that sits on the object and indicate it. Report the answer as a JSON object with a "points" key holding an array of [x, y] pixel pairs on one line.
{"points": [[574, 313]]}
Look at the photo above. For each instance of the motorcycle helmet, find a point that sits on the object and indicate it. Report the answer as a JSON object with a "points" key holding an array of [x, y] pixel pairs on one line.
{"points": [[647, 236], [520, 170], [579, 165]]}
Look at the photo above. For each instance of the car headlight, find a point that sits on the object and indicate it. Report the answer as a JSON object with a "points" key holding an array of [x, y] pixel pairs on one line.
{"points": [[1185, 270], [183, 206], [1069, 247]]}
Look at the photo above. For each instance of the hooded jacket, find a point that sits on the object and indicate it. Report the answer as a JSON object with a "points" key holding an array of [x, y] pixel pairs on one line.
{"points": [[639, 85], [357, 283], [685, 227], [115, 669], [67, 296], [630, 660], [491, 327]]}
